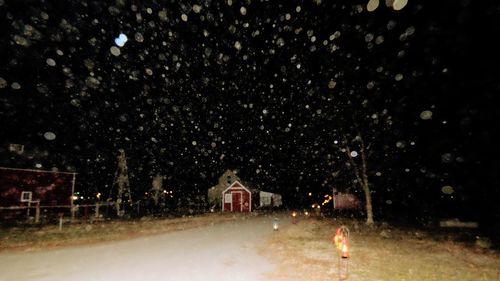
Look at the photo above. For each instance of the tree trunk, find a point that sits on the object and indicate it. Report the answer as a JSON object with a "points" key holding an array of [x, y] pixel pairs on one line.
{"points": [[362, 178], [366, 186], [369, 208]]}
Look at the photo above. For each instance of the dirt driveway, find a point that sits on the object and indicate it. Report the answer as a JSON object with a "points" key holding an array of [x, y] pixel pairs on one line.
{"points": [[226, 251]]}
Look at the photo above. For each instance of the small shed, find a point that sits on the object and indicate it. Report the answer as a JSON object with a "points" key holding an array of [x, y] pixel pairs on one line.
{"points": [[236, 198], [269, 199]]}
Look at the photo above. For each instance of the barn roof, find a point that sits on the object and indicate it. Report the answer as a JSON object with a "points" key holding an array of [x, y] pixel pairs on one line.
{"points": [[238, 185]]}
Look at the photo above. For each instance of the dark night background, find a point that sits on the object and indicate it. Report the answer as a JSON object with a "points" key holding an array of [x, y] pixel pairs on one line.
{"points": [[185, 101]]}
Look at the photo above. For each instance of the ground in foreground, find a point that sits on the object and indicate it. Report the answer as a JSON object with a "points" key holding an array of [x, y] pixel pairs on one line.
{"points": [[304, 251]]}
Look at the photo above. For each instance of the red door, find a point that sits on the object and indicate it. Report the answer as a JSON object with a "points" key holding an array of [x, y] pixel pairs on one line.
{"points": [[236, 202]]}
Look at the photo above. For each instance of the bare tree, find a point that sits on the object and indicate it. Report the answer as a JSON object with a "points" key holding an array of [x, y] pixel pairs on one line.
{"points": [[360, 173], [156, 189], [122, 184]]}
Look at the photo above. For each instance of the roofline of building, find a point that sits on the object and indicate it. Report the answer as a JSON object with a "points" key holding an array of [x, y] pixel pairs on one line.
{"points": [[37, 171]]}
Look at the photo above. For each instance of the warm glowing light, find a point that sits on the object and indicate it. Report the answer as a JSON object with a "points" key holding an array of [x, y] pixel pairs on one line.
{"points": [[345, 251], [310, 194]]}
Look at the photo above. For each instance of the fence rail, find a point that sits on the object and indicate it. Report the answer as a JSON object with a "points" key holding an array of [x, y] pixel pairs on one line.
{"points": [[36, 213], [73, 210], [33, 207]]}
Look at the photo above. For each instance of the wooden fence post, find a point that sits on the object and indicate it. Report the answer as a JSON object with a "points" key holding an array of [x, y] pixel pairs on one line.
{"points": [[97, 210], [73, 212], [60, 221], [37, 212]]}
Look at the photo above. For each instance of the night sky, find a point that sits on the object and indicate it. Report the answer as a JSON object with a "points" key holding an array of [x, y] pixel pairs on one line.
{"points": [[271, 89]]}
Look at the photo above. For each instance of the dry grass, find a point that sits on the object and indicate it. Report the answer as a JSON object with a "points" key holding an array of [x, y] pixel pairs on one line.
{"points": [[304, 252], [38, 238]]}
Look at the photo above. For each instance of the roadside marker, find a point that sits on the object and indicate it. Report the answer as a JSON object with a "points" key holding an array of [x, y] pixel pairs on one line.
{"points": [[341, 241]]}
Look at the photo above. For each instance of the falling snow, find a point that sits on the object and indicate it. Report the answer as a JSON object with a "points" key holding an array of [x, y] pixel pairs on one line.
{"points": [[278, 90]]}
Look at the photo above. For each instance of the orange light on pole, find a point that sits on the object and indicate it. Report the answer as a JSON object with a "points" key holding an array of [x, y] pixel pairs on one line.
{"points": [[341, 241], [344, 250], [337, 238]]}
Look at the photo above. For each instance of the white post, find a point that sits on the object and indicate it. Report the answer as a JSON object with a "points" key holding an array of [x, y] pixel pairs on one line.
{"points": [[73, 212], [97, 210], [28, 212], [334, 197], [37, 212], [60, 222], [73, 194]]}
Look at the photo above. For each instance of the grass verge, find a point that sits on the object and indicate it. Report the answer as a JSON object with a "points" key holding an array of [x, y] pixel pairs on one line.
{"points": [[304, 251], [34, 238]]}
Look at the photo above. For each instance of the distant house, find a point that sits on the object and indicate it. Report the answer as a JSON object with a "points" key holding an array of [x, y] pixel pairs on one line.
{"points": [[236, 198], [230, 183], [240, 198]]}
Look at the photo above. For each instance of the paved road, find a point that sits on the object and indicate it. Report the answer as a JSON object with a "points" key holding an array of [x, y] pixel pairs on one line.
{"points": [[221, 252]]}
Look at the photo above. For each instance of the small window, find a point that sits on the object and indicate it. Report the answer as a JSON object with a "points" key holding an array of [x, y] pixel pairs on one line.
{"points": [[26, 196]]}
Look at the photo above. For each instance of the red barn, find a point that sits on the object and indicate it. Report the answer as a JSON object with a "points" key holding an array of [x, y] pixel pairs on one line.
{"points": [[22, 188], [236, 198]]}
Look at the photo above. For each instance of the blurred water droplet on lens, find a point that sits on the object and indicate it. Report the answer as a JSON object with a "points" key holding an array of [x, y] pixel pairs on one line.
{"points": [[426, 115], [51, 62], [447, 189], [49, 136], [372, 5], [115, 51], [3, 83], [196, 8], [121, 40], [15, 86], [399, 4]]}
